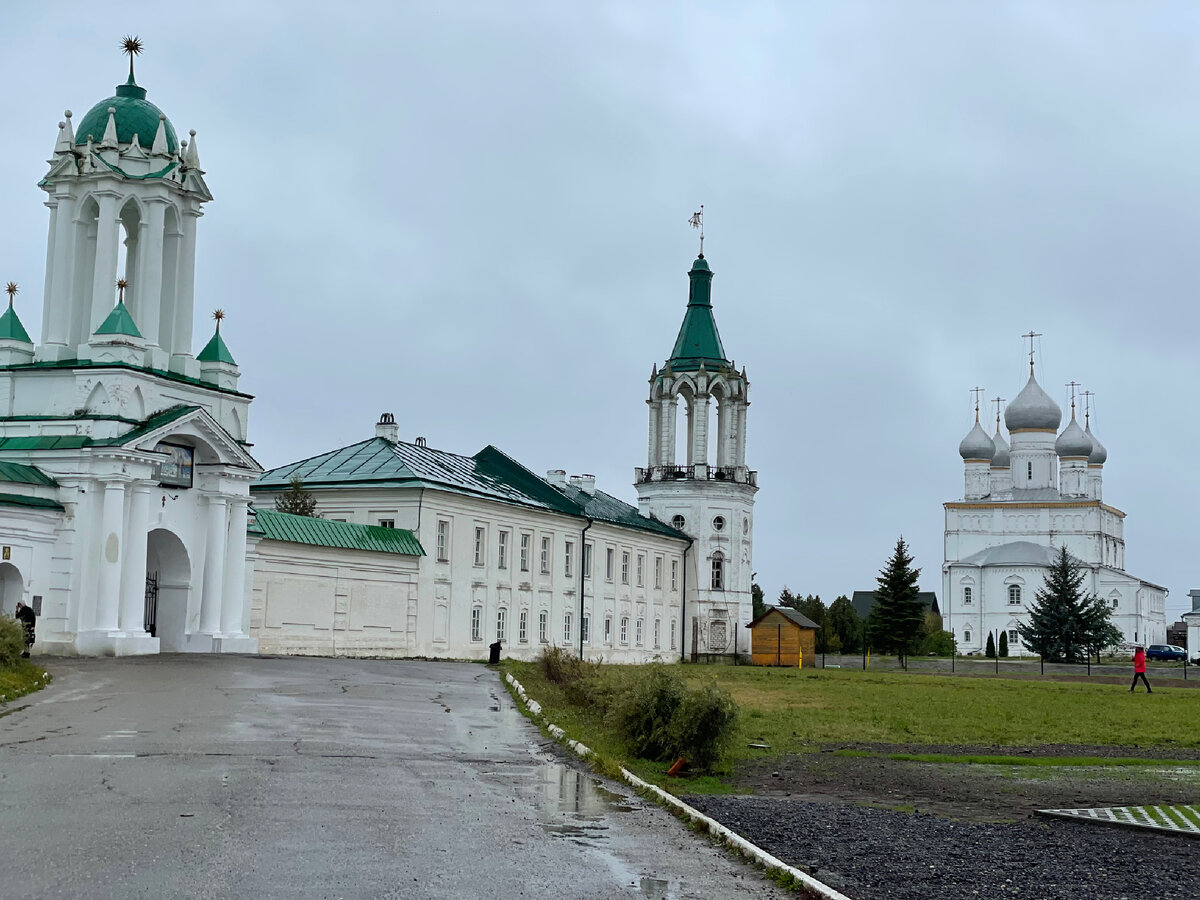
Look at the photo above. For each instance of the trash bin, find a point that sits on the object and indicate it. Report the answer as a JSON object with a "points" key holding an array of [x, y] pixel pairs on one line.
{"points": [[494, 654]]}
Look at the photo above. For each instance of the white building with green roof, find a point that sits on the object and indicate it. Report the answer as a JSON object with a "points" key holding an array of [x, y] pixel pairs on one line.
{"points": [[124, 462]]}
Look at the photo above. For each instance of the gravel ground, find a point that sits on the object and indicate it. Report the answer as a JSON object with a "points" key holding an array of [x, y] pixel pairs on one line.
{"points": [[878, 854]]}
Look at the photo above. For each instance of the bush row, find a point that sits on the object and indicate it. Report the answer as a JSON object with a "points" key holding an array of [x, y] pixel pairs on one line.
{"points": [[657, 715]]}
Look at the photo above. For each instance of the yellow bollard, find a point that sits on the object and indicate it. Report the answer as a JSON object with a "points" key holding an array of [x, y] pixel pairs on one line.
{"points": [[799, 657]]}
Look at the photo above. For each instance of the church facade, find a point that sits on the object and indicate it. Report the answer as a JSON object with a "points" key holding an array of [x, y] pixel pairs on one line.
{"points": [[124, 463], [485, 550], [1023, 499]]}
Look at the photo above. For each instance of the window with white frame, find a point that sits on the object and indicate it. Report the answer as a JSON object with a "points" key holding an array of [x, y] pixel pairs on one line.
{"points": [[657, 633], [677, 522], [477, 623], [1115, 602], [608, 629], [545, 556], [502, 624], [480, 545], [523, 627], [658, 573], [567, 628], [587, 560], [1012, 637], [638, 632], [967, 598], [641, 570], [585, 628], [608, 563], [675, 575], [543, 627], [966, 637], [1014, 595], [624, 629], [718, 571], [387, 523], [625, 567], [568, 556], [502, 550], [443, 541], [718, 523], [525, 541], [672, 634]]}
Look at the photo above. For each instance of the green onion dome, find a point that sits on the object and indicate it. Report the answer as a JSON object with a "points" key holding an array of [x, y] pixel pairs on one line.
{"points": [[134, 115]]}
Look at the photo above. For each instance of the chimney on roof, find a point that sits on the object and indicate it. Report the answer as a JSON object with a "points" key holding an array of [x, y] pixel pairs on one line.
{"points": [[387, 428], [557, 477], [586, 483]]}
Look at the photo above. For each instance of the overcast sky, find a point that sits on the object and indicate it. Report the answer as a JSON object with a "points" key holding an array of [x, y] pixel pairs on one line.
{"points": [[474, 215]]}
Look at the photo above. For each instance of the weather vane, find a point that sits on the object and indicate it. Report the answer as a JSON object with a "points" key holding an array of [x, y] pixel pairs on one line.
{"points": [[131, 46], [121, 285], [12, 290], [697, 221], [219, 315], [1032, 334], [1072, 385], [977, 391], [998, 400]]}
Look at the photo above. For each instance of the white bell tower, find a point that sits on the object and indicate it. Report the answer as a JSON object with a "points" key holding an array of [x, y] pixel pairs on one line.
{"points": [[124, 196], [699, 481]]}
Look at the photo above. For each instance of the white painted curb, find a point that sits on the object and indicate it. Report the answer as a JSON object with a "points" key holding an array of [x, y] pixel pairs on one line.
{"points": [[714, 827]]}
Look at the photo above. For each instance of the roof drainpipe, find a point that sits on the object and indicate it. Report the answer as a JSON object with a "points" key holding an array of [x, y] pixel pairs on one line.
{"points": [[683, 606], [582, 555]]}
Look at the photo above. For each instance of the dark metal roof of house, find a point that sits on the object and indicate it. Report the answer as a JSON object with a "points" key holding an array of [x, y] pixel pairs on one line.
{"points": [[864, 601]]}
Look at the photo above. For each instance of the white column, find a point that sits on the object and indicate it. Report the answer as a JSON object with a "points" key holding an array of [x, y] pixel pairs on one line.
{"points": [[104, 279], [185, 288], [112, 529], [48, 293], [723, 432], [150, 271], [56, 310], [700, 430], [652, 451], [233, 601], [670, 410], [133, 578], [214, 567], [740, 452]]}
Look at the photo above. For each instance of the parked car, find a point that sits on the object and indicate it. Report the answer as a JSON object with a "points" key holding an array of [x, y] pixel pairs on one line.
{"points": [[1166, 652]]}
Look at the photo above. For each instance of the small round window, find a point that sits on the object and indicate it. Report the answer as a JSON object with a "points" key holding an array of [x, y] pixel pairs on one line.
{"points": [[719, 523], [678, 522]]}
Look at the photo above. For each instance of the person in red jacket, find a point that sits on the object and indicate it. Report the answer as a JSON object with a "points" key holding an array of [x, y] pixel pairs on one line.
{"points": [[1139, 669]]}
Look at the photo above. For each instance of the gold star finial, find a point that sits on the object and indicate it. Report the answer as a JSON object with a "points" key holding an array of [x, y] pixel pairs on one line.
{"points": [[12, 290], [131, 45], [219, 315], [121, 285]]}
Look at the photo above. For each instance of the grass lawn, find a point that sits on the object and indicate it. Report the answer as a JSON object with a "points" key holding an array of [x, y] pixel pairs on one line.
{"points": [[793, 710], [20, 680]]}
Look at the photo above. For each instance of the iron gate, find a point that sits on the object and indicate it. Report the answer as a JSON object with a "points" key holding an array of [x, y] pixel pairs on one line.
{"points": [[151, 603]]}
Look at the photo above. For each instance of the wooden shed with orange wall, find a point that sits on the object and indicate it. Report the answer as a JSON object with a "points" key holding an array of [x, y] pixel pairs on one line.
{"points": [[783, 637]]}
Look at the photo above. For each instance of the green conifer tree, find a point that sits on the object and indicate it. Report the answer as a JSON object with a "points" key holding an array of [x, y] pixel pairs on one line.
{"points": [[297, 500], [1065, 625], [847, 624], [991, 646], [897, 617], [756, 598], [1003, 644]]}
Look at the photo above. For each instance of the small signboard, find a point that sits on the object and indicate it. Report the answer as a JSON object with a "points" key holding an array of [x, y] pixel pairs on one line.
{"points": [[7, 554], [176, 471], [37, 604]]}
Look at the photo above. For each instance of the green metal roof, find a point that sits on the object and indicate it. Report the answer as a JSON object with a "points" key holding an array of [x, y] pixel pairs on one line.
{"points": [[34, 502], [75, 441], [119, 321], [216, 351], [379, 463], [11, 328], [134, 115], [279, 526], [17, 473], [698, 342]]}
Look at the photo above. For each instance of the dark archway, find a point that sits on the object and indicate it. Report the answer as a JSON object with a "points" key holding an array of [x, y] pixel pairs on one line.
{"points": [[12, 588], [168, 589]]}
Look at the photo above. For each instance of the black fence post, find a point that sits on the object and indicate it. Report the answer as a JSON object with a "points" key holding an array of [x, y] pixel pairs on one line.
{"points": [[1042, 659], [997, 660]]}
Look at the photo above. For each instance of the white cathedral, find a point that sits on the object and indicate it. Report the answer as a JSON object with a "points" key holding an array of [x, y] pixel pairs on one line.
{"points": [[126, 516], [1023, 499]]}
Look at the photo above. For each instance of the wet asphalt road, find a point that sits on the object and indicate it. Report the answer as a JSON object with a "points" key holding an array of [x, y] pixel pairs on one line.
{"points": [[198, 776]]}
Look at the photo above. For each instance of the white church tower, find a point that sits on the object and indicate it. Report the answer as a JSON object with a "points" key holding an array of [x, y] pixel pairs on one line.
{"points": [[696, 477], [124, 463]]}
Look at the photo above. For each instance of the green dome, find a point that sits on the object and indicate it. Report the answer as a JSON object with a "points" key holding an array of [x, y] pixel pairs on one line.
{"points": [[135, 115]]}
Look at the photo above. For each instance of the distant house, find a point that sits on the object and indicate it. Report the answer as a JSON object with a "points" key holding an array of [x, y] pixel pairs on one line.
{"points": [[782, 637], [1177, 634], [864, 601]]}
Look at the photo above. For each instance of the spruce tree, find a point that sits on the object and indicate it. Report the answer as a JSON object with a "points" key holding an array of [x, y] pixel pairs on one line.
{"points": [[847, 624], [756, 598], [990, 652], [812, 607], [1003, 644], [297, 500], [897, 617], [1065, 625]]}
